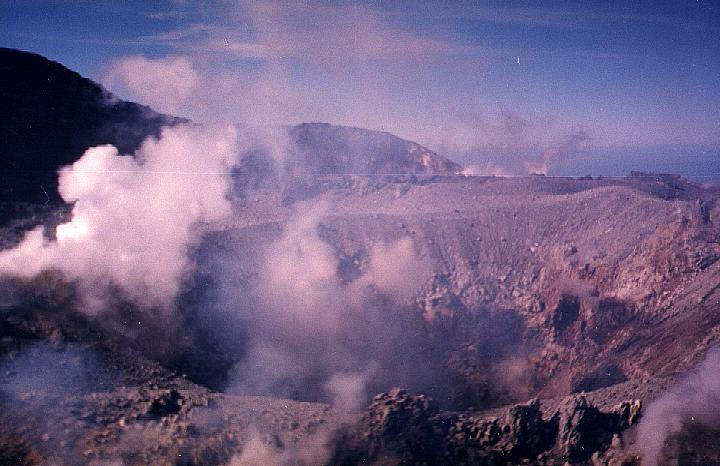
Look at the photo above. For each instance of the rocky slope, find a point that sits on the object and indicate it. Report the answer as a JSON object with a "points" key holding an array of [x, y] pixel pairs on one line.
{"points": [[51, 116], [578, 279], [323, 149], [589, 297], [540, 287], [402, 429]]}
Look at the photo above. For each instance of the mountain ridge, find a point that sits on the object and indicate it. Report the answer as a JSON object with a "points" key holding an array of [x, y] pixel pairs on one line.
{"points": [[54, 114], [592, 296]]}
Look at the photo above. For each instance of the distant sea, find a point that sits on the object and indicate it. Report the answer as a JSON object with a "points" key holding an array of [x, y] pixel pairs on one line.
{"points": [[699, 163]]}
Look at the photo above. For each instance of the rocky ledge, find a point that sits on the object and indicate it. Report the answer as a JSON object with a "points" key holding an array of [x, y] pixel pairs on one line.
{"points": [[403, 429]]}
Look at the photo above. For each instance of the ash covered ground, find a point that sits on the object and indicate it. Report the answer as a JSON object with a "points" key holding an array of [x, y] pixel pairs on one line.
{"points": [[330, 295]]}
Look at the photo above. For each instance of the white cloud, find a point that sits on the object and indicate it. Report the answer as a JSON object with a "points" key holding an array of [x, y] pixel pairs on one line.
{"points": [[133, 217], [165, 84]]}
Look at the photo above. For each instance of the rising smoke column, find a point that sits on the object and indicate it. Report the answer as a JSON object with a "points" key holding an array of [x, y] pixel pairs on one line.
{"points": [[312, 335], [693, 400], [133, 217], [512, 145], [572, 144]]}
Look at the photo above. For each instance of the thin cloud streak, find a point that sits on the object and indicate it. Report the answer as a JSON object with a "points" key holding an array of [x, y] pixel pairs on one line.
{"points": [[424, 73]]}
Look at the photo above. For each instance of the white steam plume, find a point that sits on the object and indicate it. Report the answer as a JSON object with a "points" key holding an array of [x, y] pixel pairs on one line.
{"points": [[395, 269], [313, 331], [166, 84], [508, 144], [299, 284], [694, 400], [132, 218], [347, 390], [313, 450]]}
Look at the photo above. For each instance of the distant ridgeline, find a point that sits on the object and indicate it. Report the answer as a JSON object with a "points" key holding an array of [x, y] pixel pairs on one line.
{"points": [[50, 116], [324, 149]]}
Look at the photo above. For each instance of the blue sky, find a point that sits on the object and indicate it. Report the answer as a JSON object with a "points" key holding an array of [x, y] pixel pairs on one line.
{"points": [[458, 76]]}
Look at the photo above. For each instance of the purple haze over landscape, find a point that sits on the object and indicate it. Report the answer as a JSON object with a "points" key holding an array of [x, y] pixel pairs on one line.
{"points": [[482, 83]]}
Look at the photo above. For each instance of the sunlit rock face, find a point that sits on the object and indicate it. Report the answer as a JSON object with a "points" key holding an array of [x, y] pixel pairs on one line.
{"points": [[323, 149]]}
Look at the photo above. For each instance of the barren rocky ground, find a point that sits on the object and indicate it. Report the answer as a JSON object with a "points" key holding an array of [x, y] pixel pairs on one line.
{"points": [[362, 304], [540, 287]]}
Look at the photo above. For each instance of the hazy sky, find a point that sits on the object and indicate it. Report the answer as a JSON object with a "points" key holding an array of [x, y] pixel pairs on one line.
{"points": [[454, 75]]}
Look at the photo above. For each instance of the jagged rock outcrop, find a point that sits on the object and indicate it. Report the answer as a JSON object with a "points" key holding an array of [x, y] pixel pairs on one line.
{"points": [[520, 434], [403, 429], [584, 430], [540, 287], [398, 428]]}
